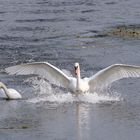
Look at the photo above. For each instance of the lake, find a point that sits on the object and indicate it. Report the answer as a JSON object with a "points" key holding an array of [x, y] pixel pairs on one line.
{"points": [[63, 32]]}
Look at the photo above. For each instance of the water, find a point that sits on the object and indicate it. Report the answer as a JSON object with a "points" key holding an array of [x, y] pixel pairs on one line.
{"points": [[62, 33]]}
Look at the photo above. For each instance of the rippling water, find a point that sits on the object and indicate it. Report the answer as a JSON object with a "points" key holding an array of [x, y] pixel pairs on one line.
{"points": [[63, 32]]}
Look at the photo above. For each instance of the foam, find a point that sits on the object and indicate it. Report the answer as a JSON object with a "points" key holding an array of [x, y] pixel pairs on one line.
{"points": [[70, 98], [45, 93]]}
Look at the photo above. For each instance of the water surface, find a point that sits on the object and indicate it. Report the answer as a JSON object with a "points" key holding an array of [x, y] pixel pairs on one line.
{"points": [[62, 33]]}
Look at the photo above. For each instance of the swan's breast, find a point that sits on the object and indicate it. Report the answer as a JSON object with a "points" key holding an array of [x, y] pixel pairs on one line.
{"points": [[83, 85]]}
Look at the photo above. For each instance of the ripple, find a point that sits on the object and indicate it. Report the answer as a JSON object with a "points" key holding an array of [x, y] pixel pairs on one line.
{"points": [[89, 11], [1, 20], [18, 123], [22, 29], [111, 3], [46, 11], [39, 20], [65, 3], [24, 39], [3, 12]]}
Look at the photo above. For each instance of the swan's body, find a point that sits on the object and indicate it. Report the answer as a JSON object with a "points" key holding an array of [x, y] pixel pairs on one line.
{"points": [[10, 93], [101, 79]]}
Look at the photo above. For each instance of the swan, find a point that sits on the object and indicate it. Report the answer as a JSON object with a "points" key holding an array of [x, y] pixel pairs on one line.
{"points": [[101, 79], [10, 93]]}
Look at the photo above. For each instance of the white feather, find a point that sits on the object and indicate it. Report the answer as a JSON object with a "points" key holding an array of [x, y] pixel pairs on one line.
{"points": [[44, 69], [101, 79], [111, 74]]}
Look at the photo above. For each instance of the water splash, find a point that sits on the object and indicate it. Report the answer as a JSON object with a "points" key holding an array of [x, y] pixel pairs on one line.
{"points": [[70, 98], [46, 93]]}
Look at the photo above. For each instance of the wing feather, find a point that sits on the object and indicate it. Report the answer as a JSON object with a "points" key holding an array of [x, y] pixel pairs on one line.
{"points": [[111, 74], [43, 69]]}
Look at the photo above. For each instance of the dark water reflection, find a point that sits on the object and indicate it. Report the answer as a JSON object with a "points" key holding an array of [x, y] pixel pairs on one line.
{"points": [[63, 32]]}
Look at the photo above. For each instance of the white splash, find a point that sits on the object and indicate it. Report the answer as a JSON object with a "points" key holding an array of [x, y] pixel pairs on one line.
{"points": [[70, 98], [45, 93]]}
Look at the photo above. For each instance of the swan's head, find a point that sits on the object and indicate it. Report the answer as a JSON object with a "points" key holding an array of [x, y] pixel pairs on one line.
{"points": [[77, 69]]}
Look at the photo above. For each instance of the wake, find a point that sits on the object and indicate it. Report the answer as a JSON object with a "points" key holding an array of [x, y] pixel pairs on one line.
{"points": [[44, 92], [69, 98]]}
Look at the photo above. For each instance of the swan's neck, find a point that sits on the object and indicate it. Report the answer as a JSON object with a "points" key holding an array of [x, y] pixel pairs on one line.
{"points": [[78, 80], [5, 89]]}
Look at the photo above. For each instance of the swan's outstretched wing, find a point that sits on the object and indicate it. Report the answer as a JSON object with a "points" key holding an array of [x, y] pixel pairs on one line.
{"points": [[112, 73], [44, 69]]}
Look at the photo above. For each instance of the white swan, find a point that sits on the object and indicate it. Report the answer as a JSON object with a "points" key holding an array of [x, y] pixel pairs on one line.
{"points": [[101, 79], [10, 93]]}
